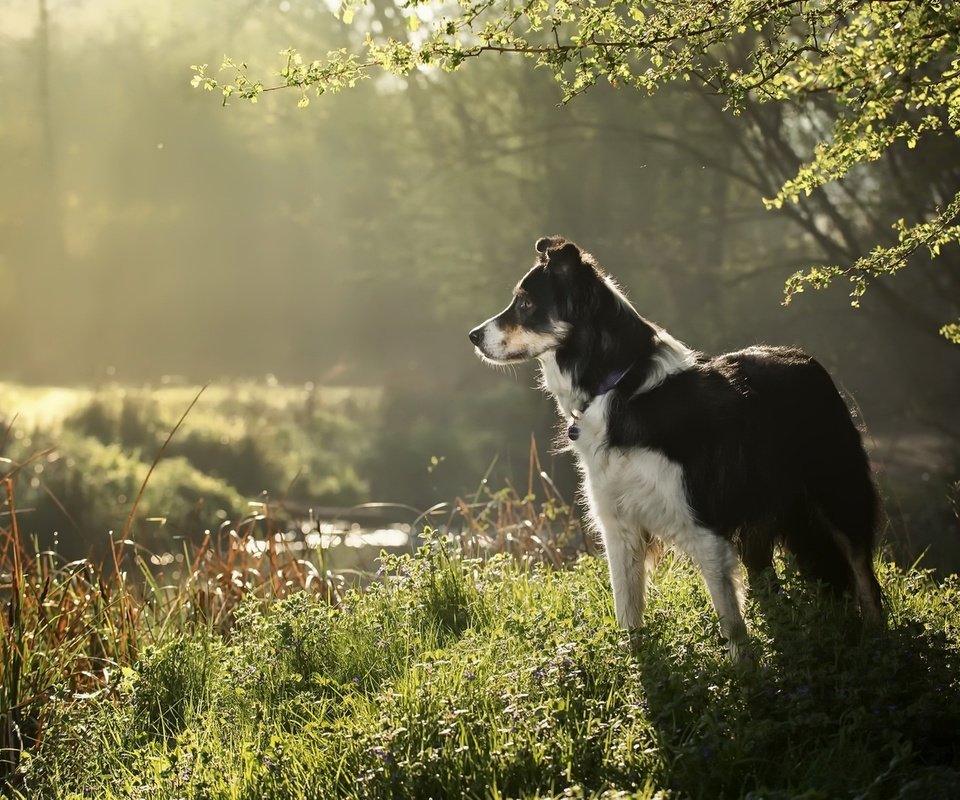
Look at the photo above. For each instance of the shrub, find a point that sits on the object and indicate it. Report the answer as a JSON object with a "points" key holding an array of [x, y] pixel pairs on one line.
{"points": [[176, 682]]}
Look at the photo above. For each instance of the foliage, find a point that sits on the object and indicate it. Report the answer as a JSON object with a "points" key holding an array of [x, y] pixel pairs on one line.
{"points": [[458, 677], [79, 471], [881, 73], [951, 331], [444, 445], [71, 629]]}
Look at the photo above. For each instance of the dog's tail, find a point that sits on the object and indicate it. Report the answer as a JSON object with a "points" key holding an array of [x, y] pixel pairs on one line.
{"points": [[843, 509]]}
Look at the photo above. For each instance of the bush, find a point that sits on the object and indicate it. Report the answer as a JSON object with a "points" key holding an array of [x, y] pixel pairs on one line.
{"points": [[176, 683], [91, 492], [237, 443]]}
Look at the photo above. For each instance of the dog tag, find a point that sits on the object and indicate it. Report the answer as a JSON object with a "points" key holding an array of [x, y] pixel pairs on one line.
{"points": [[573, 431]]}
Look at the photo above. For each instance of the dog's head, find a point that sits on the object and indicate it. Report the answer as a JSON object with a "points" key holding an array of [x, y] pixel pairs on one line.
{"points": [[542, 311]]}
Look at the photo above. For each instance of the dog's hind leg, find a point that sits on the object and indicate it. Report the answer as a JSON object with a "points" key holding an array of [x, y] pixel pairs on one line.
{"points": [[852, 511], [857, 550], [717, 560], [826, 552], [869, 594], [841, 487], [756, 551], [809, 536]]}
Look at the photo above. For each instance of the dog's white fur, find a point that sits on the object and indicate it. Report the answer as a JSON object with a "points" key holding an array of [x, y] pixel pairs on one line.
{"points": [[636, 499], [517, 345], [638, 503], [638, 496], [671, 356]]}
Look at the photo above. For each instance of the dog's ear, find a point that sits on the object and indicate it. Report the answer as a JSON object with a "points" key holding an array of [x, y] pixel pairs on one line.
{"points": [[546, 243], [559, 255], [564, 258], [566, 253]]}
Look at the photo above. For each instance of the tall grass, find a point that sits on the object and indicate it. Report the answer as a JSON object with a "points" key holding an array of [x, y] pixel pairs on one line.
{"points": [[538, 524], [69, 629], [487, 665], [504, 677]]}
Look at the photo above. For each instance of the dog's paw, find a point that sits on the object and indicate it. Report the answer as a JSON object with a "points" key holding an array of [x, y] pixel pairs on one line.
{"points": [[632, 640], [741, 654]]}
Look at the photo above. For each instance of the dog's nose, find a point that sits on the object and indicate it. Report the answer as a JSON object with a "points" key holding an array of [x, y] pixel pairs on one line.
{"points": [[476, 335]]}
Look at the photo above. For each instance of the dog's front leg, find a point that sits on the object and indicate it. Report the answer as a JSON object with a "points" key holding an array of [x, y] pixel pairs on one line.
{"points": [[627, 561]]}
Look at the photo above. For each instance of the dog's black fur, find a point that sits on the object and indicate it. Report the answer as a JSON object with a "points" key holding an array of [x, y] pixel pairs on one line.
{"points": [[768, 449]]}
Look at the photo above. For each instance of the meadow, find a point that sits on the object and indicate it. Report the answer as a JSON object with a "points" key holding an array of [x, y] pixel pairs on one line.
{"points": [[450, 675], [487, 664]]}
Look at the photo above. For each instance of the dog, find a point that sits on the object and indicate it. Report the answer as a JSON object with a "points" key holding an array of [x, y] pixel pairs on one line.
{"points": [[754, 448]]}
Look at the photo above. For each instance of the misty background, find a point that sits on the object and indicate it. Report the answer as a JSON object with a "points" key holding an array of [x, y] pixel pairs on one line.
{"points": [[336, 256]]}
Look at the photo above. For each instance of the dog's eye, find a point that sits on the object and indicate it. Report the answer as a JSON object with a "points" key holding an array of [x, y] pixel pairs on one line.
{"points": [[524, 304]]}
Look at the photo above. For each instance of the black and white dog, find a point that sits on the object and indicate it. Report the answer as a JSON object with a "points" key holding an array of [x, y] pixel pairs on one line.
{"points": [[755, 448]]}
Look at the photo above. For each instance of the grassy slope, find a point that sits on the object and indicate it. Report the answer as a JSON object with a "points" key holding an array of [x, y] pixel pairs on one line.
{"points": [[454, 678]]}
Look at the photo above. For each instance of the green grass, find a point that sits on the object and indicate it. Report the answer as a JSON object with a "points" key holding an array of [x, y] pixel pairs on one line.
{"points": [[451, 677], [256, 674], [85, 453]]}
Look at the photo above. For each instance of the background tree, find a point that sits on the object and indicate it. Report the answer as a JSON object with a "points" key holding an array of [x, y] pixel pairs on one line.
{"points": [[355, 242], [859, 78]]}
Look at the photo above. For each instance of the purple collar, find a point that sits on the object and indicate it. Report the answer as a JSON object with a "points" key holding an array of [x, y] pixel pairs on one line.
{"points": [[608, 384]]}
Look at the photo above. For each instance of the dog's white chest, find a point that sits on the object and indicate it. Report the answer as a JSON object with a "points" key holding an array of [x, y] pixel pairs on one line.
{"points": [[558, 385], [640, 488]]}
